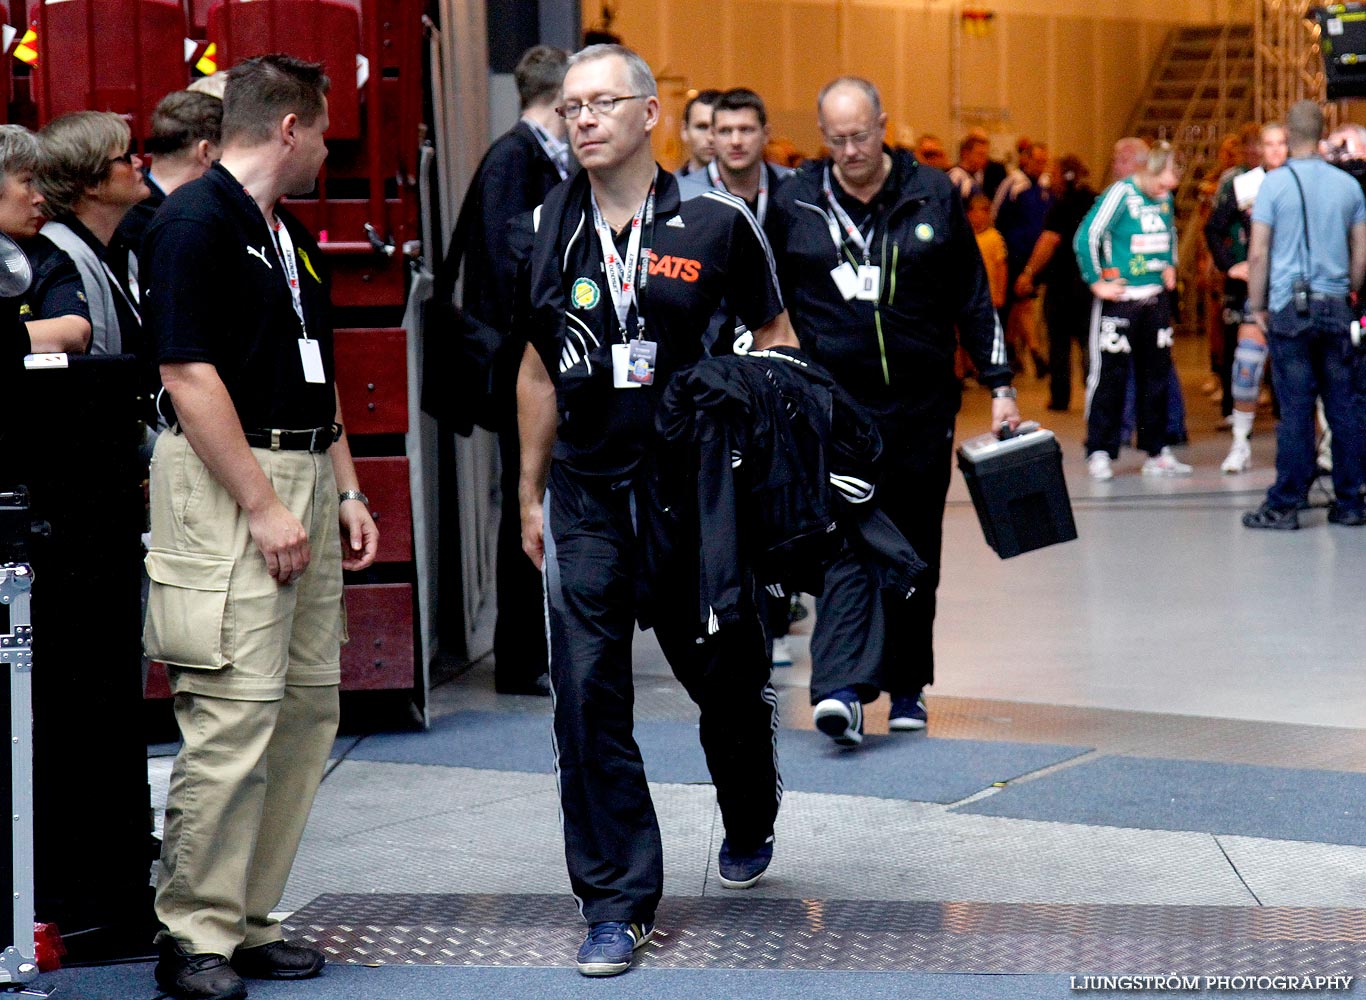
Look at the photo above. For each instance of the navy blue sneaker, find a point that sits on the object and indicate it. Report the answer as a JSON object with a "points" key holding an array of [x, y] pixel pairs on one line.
{"points": [[1352, 517], [841, 717], [740, 871], [908, 712], [607, 949]]}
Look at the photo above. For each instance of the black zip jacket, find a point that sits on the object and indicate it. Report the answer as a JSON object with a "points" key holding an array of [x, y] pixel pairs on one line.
{"points": [[895, 356], [783, 457]]}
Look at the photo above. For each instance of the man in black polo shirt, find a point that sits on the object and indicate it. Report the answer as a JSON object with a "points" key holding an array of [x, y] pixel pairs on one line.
{"points": [[622, 283], [246, 557], [186, 130], [884, 279]]}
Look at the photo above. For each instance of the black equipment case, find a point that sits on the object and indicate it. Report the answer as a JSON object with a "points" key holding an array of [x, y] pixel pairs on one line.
{"points": [[1018, 489]]}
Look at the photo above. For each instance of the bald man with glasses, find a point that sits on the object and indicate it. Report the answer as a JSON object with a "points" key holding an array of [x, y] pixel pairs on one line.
{"points": [[883, 279]]}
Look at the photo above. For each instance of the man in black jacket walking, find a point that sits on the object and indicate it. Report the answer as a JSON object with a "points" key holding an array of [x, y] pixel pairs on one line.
{"points": [[621, 284], [517, 172], [883, 278]]}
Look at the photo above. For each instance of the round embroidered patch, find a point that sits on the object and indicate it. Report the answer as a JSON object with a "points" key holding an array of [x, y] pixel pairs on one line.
{"points": [[585, 293], [924, 232]]}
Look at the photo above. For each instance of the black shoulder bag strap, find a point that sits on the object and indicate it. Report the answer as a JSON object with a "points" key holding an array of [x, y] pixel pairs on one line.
{"points": [[447, 271], [1304, 214]]}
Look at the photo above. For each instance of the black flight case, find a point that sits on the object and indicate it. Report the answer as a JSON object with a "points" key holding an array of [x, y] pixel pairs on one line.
{"points": [[1018, 489]]}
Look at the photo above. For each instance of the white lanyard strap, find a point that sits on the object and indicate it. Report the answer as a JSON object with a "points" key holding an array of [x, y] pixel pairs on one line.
{"points": [[622, 273], [761, 207], [284, 246], [850, 230], [118, 287]]}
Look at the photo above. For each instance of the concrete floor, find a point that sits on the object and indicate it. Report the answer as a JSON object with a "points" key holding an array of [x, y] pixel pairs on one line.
{"points": [[1165, 630]]}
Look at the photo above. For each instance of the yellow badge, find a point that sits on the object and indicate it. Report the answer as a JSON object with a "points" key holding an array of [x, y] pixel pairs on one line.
{"points": [[308, 265], [585, 293]]}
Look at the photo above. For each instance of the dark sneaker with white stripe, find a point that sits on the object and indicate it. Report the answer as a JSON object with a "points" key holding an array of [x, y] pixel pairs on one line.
{"points": [[741, 869], [841, 717], [608, 948], [908, 712]]}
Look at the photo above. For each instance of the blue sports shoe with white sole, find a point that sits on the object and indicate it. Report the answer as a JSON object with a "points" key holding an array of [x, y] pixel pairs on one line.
{"points": [[608, 948]]}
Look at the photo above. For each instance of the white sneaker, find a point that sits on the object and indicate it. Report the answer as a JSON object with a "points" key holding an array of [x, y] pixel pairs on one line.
{"points": [[1239, 458], [1098, 465], [782, 653], [1164, 463]]}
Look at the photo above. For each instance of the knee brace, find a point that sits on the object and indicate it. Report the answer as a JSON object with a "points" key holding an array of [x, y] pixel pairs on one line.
{"points": [[1248, 361]]}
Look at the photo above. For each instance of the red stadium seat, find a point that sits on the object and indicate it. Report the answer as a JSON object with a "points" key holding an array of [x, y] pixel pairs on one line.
{"points": [[325, 31], [108, 55]]}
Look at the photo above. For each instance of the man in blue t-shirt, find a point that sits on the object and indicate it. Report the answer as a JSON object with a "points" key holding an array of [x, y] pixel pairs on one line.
{"points": [[1308, 251]]}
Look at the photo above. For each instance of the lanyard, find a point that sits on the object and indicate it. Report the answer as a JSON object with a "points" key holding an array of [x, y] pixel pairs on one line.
{"points": [[622, 274], [553, 148], [284, 246], [118, 287], [761, 208], [850, 230]]}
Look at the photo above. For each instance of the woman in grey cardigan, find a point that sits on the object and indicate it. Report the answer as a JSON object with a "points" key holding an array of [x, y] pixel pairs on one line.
{"points": [[90, 177]]}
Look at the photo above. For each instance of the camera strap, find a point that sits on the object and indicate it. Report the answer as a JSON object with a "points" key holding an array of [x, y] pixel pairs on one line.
{"points": [[1304, 214]]}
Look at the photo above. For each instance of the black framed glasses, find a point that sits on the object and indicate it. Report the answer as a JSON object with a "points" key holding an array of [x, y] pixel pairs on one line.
{"points": [[125, 158], [598, 106]]}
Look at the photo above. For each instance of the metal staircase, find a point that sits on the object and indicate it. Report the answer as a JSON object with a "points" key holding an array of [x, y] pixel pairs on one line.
{"points": [[1201, 88]]}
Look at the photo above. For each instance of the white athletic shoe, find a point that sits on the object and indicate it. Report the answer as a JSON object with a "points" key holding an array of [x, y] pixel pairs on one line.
{"points": [[1098, 465], [1239, 459], [1164, 463], [782, 652]]}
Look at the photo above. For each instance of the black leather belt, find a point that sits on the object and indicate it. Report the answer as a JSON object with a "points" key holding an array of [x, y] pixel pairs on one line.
{"points": [[316, 440]]}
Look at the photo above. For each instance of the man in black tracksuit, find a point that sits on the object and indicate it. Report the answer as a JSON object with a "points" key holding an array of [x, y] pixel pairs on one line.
{"points": [[621, 285], [879, 266]]}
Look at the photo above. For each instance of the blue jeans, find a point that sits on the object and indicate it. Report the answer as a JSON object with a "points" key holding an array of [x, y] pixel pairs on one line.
{"points": [[1312, 356]]}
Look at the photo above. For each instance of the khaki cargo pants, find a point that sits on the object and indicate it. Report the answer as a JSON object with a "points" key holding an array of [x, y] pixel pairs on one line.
{"points": [[255, 669]]}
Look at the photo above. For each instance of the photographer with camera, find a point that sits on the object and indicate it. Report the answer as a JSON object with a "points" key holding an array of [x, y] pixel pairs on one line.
{"points": [[1308, 251]]}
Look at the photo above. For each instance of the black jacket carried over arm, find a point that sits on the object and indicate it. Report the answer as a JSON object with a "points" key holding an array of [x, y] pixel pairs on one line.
{"points": [[895, 356], [787, 463]]}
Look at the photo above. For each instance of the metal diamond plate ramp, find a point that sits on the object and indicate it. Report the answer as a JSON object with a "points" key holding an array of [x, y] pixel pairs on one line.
{"points": [[753, 933]]}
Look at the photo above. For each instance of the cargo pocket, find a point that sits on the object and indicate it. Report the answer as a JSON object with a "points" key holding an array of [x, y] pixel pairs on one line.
{"points": [[187, 609]]}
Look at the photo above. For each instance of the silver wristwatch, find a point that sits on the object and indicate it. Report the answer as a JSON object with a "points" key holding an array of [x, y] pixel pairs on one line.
{"points": [[1003, 392], [346, 495]]}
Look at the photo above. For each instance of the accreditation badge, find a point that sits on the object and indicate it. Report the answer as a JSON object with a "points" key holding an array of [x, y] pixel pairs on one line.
{"points": [[641, 362]]}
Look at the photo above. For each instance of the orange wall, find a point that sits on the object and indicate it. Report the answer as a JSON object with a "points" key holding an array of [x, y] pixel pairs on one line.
{"points": [[1069, 78]]}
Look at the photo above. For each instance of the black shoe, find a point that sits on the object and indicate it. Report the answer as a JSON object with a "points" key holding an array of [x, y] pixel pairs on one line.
{"points": [[539, 688], [197, 977], [1267, 516], [1352, 517], [278, 960]]}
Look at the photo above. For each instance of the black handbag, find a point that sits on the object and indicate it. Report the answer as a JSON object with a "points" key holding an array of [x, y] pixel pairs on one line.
{"points": [[458, 350]]}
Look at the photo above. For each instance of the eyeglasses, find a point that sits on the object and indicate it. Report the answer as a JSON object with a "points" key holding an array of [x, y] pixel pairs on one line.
{"points": [[858, 138], [598, 106], [125, 158]]}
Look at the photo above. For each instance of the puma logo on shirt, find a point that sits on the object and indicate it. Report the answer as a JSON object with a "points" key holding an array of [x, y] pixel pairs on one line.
{"points": [[253, 252]]}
